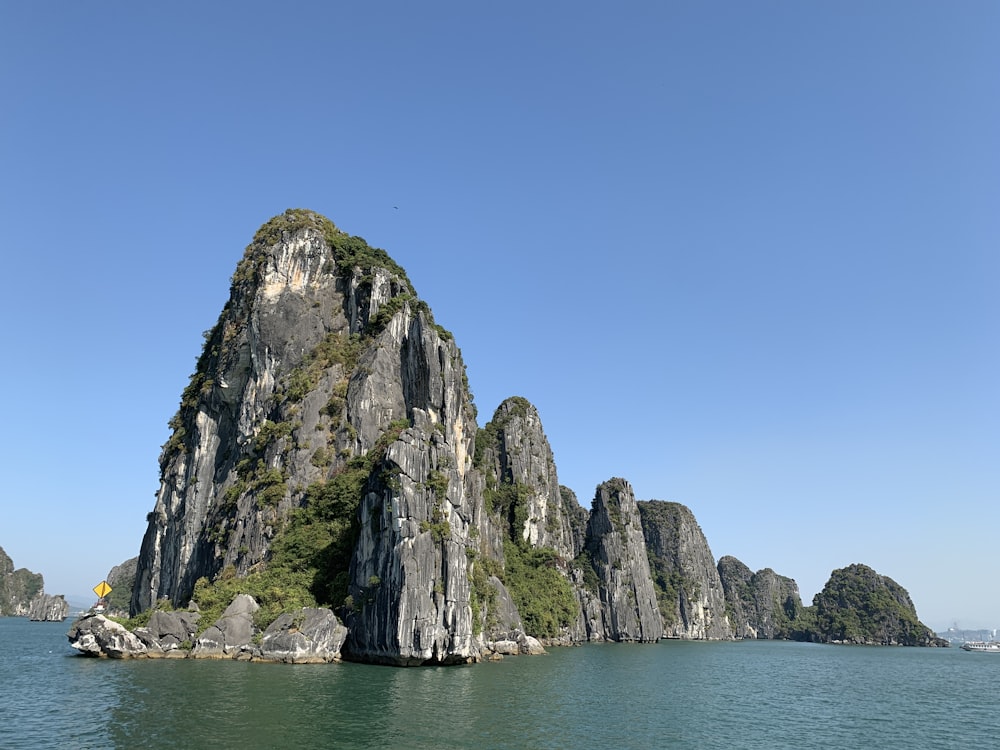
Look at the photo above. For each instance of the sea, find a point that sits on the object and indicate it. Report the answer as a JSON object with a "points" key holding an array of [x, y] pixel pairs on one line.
{"points": [[675, 694]]}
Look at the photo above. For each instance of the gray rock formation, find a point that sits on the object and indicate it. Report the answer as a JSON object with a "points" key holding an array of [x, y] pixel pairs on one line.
{"points": [[761, 605], [232, 634], [310, 636], [617, 550], [410, 574], [690, 595], [517, 644], [514, 454], [96, 635], [169, 633], [576, 516], [17, 587], [532, 528], [859, 606], [322, 348], [292, 383], [48, 608]]}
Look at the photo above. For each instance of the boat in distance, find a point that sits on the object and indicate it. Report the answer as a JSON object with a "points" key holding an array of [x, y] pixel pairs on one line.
{"points": [[991, 647]]}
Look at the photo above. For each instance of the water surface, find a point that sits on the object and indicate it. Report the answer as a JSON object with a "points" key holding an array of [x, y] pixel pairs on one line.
{"points": [[673, 695]]}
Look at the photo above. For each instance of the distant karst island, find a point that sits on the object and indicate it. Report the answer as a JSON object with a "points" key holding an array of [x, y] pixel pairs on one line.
{"points": [[22, 594], [327, 493]]}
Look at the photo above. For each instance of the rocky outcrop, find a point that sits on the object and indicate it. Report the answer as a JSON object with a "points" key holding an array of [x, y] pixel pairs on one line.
{"points": [[761, 605], [628, 607], [859, 606], [518, 644], [232, 634], [96, 635], [48, 608], [169, 633], [690, 595], [309, 636], [17, 587]]}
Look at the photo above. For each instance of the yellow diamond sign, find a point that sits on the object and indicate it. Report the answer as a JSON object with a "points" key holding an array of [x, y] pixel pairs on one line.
{"points": [[102, 589]]}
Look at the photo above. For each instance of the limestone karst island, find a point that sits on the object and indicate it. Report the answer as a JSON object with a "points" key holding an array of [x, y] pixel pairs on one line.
{"points": [[328, 493]]}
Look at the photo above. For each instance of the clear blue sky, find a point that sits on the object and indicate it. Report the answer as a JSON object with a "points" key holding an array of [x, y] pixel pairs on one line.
{"points": [[742, 254]]}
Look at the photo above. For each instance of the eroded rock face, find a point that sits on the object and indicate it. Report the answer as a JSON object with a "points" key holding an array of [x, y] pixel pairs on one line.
{"points": [[629, 609], [292, 383], [410, 588], [232, 634], [48, 608], [95, 635], [763, 604], [319, 354], [515, 452], [310, 636], [529, 521], [690, 594], [169, 633]]}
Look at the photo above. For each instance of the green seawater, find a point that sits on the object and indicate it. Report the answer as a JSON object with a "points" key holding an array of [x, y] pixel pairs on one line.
{"points": [[671, 695]]}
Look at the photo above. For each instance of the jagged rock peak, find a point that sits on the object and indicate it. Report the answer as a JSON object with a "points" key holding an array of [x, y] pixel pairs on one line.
{"points": [[618, 552], [690, 594], [322, 348], [521, 479]]}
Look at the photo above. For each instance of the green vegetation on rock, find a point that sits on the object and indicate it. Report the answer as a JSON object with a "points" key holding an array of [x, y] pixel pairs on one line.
{"points": [[311, 552], [858, 605], [542, 593], [18, 586]]}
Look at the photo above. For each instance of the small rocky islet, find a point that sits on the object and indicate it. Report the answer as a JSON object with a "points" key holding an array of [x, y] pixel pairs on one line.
{"points": [[327, 493]]}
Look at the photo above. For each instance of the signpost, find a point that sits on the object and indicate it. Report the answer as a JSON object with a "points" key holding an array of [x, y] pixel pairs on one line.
{"points": [[102, 589]]}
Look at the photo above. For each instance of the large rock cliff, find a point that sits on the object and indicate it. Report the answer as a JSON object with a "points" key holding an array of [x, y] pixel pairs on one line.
{"points": [[761, 605], [690, 594], [274, 404], [617, 550], [326, 404], [328, 439], [514, 454]]}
